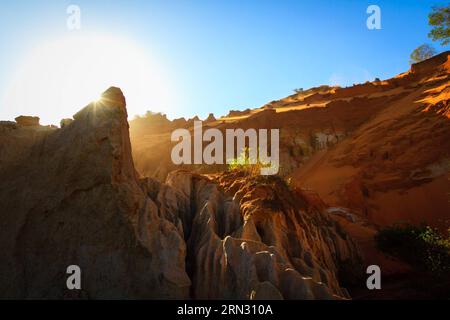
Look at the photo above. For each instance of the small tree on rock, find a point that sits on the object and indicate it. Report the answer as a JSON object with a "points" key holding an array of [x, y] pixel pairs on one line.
{"points": [[422, 53]]}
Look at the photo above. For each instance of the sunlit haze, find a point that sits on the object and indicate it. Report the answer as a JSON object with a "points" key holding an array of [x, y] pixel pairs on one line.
{"points": [[187, 58], [62, 75]]}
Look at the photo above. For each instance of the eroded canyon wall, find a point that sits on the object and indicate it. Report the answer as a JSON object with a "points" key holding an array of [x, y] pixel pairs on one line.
{"points": [[72, 196]]}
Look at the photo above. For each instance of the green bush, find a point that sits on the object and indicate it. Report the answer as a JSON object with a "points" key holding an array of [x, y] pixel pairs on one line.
{"points": [[247, 164], [421, 246]]}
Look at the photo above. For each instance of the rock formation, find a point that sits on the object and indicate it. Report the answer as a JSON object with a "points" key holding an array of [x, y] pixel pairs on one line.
{"points": [[72, 196], [27, 121], [210, 118], [65, 122], [380, 148], [250, 237]]}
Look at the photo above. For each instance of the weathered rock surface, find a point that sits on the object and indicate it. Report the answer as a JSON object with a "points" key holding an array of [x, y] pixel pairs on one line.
{"points": [[210, 118], [27, 121], [395, 166], [72, 196], [251, 237], [65, 122]]}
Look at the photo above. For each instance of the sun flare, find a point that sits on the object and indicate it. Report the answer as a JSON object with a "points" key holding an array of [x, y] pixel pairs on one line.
{"points": [[61, 76]]}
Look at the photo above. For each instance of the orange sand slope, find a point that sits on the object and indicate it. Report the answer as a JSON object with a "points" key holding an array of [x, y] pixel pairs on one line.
{"points": [[395, 167]]}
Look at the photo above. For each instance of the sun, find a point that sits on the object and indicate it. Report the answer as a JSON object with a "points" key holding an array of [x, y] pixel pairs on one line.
{"points": [[59, 77]]}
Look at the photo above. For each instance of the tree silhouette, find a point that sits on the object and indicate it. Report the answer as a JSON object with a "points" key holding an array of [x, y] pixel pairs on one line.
{"points": [[439, 18], [422, 53]]}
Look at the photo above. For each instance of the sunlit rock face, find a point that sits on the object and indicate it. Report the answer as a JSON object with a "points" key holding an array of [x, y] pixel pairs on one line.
{"points": [[72, 196]]}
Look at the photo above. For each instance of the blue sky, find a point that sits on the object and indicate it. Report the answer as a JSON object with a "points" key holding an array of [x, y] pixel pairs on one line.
{"points": [[222, 55]]}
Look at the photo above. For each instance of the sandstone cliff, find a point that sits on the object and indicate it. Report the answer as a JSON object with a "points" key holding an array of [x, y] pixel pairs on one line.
{"points": [[72, 196], [379, 148]]}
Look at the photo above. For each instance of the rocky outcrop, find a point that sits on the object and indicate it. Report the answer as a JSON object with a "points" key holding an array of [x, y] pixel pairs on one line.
{"points": [[237, 113], [254, 238], [65, 122], [27, 121], [210, 118], [72, 196]]}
